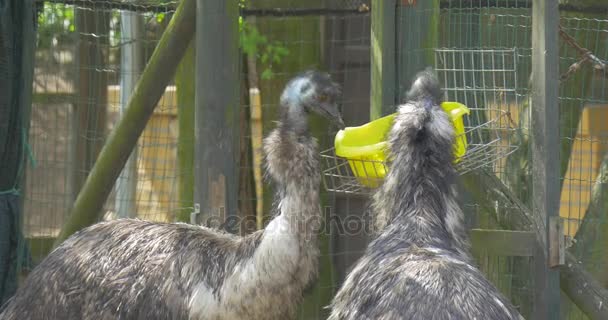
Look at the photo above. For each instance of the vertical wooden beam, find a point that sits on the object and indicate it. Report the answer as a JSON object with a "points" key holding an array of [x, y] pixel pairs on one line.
{"points": [[545, 149], [185, 85], [383, 58], [257, 131], [216, 114], [89, 112]]}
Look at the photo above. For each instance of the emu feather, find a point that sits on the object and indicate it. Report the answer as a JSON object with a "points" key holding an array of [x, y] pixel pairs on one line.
{"points": [[418, 266], [131, 269]]}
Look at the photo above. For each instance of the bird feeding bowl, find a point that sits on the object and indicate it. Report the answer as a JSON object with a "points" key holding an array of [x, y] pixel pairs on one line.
{"points": [[364, 147]]}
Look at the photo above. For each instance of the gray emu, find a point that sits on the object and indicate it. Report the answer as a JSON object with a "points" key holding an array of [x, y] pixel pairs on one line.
{"points": [[131, 269], [418, 265]]}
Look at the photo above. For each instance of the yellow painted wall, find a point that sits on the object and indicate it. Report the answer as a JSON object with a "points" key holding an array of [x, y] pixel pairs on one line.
{"points": [[157, 158], [590, 144]]}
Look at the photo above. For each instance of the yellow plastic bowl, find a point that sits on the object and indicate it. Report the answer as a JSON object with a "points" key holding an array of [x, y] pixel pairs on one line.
{"points": [[365, 146]]}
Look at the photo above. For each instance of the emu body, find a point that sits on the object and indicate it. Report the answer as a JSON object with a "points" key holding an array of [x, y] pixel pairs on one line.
{"points": [[418, 266], [131, 269]]}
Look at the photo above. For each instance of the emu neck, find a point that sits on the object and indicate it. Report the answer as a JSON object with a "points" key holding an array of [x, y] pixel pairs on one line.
{"points": [[300, 208], [292, 161], [294, 118], [418, 196]]}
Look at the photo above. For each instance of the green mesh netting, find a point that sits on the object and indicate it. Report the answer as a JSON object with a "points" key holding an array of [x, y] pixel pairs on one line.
{"points": [[17, 41]]}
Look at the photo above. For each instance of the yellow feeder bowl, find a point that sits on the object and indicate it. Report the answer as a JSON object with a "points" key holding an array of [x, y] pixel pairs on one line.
{"points": [[365, 146]]}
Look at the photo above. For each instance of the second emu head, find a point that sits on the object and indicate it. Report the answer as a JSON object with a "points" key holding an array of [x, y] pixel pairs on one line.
{"points": [[310, 91]]}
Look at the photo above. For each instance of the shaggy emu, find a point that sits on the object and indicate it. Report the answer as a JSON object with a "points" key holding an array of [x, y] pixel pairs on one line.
{"points": [[131, 269], [418, 266]]}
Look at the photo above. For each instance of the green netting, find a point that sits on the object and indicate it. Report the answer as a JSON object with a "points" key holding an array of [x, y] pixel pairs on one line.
{"points": [[17, 29]]}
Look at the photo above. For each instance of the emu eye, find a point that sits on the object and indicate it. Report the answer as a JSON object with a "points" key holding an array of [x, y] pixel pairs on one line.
{"points": [[322, 98]]}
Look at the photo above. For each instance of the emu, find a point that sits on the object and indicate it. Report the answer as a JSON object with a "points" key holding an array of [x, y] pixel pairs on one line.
{"points": [[132, 269], [418, 265]]}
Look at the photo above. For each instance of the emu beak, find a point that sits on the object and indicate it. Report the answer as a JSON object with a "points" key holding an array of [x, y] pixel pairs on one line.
{"points": [[340, 123], [333, 114]]}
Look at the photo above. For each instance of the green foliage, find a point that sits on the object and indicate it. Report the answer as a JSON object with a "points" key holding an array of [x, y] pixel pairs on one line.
{"points": [[55, 25], [268, 52], [160, 17]]}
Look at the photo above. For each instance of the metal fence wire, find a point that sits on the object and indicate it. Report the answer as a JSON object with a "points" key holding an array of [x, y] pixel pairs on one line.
{"points": [[90, 54], [485, 57], [77, 100]]}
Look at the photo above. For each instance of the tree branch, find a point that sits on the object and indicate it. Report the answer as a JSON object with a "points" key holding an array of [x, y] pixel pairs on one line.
{"points": [[586, 57]]}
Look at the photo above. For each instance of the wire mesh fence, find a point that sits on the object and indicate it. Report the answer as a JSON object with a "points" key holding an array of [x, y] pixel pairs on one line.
{"points": [[81, 76], [584, 141], [487, 132], [480, 49], [77, 101], [336, 42], [495, 37], [488, 76]]}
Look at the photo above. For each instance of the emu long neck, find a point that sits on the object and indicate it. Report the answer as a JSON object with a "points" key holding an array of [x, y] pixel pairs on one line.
{"points": [[418, 194], [292, 162], [294, 117]]}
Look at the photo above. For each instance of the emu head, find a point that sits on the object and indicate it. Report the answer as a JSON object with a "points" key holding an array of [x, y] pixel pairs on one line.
{"points": [[311, 91], [426, 90]]}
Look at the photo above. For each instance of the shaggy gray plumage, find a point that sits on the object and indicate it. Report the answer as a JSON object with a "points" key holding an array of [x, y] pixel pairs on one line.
{"points": [[418, 267], [131, 269]]}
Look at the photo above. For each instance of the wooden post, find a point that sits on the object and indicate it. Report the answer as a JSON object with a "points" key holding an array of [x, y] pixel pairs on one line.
{"points": [[184, 83], [545, 150], [216, 115], [88, 117], [257, 132], [383, 61]]}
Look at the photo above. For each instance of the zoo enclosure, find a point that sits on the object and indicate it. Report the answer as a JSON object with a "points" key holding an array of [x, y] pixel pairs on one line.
{"points": [[481, 50]]}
